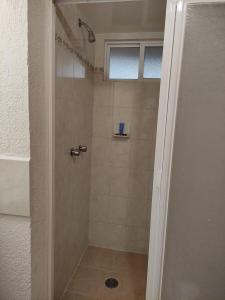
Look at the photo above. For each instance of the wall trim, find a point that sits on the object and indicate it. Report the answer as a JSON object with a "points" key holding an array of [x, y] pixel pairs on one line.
{"points": [[16, 158]]}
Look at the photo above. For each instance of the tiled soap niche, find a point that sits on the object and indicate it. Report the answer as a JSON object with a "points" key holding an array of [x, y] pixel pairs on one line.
{"points": [[121, 130]]}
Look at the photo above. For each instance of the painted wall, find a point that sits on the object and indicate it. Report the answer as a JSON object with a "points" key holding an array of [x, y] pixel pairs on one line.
{"points": [[195, 246], [73, 118], [15, 261], [39, 72], [122, 170]]}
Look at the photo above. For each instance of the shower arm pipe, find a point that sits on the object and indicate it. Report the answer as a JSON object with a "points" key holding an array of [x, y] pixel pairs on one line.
{"points": [[65, 44], [91, 35], [82, 23]]}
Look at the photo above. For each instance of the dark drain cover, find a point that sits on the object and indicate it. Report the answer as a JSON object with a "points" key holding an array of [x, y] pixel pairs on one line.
{"points": [[111, 283]]}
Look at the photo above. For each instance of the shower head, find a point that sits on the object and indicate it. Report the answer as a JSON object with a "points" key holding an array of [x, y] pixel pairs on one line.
{"points": [[91, 35]]}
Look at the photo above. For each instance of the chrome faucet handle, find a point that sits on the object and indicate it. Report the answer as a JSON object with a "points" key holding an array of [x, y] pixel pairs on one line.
{"points": [[75, 151], [83, 148]]}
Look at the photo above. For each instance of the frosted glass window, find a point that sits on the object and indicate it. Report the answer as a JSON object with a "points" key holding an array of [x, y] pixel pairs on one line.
{"points": [[153, 62], [78, 69], [124, 62]]}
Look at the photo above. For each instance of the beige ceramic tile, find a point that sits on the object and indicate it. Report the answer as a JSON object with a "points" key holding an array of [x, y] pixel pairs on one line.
{"points": [[143, 124], [99, 258], [115, 236], [119, 182], [88, 281], [74, 296], [136, 237], [117, 210], [140, 183], [142, 154], [102, 121], [74, 101], [125, 95], [136, 211], [98, 233], [100, 179], [131, 262], [99, 207], [101, 150], [120, 152], [103, 93], [125, 168]]}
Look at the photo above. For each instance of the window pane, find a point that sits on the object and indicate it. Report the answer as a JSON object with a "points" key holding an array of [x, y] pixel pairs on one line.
{"points": [[153, 62], [124, 62]]}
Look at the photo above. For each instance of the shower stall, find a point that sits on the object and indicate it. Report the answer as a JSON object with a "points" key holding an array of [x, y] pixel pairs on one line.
{"points": [[116, 228], [106, 102]]}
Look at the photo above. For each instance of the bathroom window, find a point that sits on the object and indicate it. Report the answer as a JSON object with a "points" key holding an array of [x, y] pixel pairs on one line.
{"points": [[153, 62], [126, 61]]}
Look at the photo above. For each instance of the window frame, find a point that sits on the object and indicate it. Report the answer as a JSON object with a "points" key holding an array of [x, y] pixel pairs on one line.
{"points": [[133, 44]]}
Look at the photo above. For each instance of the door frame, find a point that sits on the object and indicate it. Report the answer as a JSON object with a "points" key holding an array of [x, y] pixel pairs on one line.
{"points": [[171, 68], [51, 147]]}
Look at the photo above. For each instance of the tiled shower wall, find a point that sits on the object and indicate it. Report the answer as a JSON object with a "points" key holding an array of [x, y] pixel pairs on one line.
{"points": [[122, 169], [73, 126]]}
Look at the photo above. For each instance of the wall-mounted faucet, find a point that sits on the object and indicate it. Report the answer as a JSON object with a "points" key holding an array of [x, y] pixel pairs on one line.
{"points": [[83, 148], [76, 151]]}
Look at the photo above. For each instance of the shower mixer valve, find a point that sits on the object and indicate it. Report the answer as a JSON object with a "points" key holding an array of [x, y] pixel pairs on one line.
{"points": [[83, 148], [76, 151]]}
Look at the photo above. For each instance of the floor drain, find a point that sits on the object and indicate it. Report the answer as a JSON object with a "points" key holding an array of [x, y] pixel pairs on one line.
{"points": [[111, 283]]}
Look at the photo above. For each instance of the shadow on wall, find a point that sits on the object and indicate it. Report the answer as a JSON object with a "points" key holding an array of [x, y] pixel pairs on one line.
{"points": [[72, 56], [68, 65]]}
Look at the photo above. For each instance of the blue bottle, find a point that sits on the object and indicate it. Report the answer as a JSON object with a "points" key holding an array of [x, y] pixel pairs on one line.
{"points": [[121, 128]]}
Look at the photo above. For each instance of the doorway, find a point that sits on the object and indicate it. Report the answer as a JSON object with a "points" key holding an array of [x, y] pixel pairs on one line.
{"points": [[108, 69]]}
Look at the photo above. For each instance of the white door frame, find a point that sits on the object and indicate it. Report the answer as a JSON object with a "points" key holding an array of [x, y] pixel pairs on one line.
{"points": [[51, 110], [171, 67]]}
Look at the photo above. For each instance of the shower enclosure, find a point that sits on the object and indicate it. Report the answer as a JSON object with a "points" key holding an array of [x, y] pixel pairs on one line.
{"points": [[103, 179]]}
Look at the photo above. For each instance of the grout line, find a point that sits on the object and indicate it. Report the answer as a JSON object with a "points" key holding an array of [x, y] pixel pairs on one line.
{"points": [[118, 249], [74, 272]]}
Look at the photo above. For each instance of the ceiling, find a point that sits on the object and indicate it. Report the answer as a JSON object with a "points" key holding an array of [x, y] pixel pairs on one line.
{"points": [[125, 16]]}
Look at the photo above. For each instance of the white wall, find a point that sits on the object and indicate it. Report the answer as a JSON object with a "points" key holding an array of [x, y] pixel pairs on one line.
{"points": [[14, 121], [15, 253], [15, 258]]}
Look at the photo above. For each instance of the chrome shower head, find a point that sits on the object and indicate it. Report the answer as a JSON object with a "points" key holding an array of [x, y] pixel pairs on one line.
{"points": [[91, 35]]}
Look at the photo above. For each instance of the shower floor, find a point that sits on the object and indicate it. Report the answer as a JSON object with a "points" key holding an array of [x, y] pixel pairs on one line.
{"points": [[97, 265]]}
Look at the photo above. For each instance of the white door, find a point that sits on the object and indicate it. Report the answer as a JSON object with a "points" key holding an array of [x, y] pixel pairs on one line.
{"points": [[189, 178]]}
